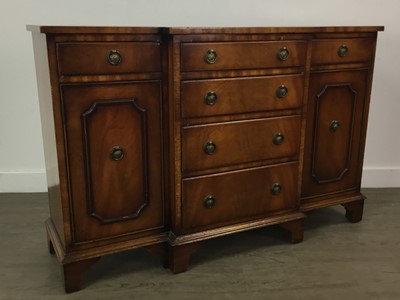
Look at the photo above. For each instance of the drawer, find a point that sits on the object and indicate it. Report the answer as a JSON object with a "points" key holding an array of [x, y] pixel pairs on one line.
{"points": [[242, 55], [228, 198], [224, 144], [108, 58], [241, 95], [342, 51]]}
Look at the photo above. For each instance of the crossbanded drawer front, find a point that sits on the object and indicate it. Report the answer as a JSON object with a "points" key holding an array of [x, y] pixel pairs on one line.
{"points": [[242, 55], [108, 58], [342, 51], [241, 95], [224, 144], [233, 196]]}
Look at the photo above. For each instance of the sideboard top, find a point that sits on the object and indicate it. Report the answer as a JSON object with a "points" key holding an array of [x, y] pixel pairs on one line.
{"points": [[197, 30]]}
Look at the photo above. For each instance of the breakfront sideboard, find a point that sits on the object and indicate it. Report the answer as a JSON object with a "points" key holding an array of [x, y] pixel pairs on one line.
{"points": [[164, 137]]}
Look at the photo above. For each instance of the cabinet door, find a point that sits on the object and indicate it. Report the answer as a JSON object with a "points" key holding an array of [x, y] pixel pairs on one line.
{"points": [[113, 137], [334, 132]]}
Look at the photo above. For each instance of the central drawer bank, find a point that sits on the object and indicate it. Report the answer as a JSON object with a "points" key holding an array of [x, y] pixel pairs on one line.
{"points": [[164, 137]]}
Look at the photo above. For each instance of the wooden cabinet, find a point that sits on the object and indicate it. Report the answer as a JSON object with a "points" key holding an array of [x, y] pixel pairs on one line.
{"points": [[165, 137]]}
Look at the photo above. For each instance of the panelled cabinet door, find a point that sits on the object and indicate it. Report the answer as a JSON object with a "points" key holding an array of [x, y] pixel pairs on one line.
{"points": [[114, 158], [333, 138]]}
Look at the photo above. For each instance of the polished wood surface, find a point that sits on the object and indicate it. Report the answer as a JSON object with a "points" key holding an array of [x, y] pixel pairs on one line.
{"points": [[331, 158], [150, 144], [198, 30], [249, 55], [111, 197], [241, 95], [326, 51], [239, 142], [91, 58], [238, 195]]}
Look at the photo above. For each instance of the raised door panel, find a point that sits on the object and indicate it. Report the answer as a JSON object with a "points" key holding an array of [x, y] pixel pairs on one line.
{"points": [[333, 139], [114, 144]]}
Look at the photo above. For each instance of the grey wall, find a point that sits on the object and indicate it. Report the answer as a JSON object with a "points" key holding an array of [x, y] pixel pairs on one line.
{"points": [[21, 154]]}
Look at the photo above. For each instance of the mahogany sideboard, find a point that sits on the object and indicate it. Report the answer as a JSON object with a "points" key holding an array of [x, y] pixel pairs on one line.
{"points": [[164, 137]]}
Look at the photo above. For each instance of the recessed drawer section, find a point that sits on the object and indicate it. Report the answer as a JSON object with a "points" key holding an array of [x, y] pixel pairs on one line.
{"points": [[242, 55], [241, 95], [226, 198], [108, 58], [224, 144], [341, 51]]}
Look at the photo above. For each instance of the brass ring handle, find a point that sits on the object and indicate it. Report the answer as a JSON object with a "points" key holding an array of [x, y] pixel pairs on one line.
{"points": [[278, 139], [209, 201], [210, 57], [210, 98], [116, 153], [276, 189], [210, 148], [283, 53], [334, 126], [281, 91], [114, 57], [343, 50]]}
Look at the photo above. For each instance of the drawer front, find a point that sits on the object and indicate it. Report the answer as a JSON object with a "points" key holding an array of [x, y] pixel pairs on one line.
{"points": [[241, 95], [228, 198], [224, 144], [243, 55], [342, 51], [108, 58]]}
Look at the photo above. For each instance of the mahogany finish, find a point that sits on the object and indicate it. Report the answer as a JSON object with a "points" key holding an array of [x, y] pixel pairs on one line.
{"points": [[250, 55], [241, 95], [164, 137]]}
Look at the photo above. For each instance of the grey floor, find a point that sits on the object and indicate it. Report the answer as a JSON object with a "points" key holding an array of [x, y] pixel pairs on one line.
{"points": [[337, 260]]}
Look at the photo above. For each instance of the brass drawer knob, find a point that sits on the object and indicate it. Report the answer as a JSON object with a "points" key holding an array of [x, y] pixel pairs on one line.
{"points": [[281, 91], [209, 201], [278, 139], [114, 57], [343, 50], [210, 148], [283, 53], [116, 153], [210, 57], [276, 189], [210, 98], [334, 126]]}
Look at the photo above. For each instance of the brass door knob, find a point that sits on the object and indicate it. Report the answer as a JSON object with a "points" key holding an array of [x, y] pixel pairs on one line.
{"points": [[210, 148], [209, 201], [210, 57], [210, 98], [343, 50], [281, 91], [334, 126], [278, 139], [114, 57], [276, 189], [116, 153], [283, 53]]}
